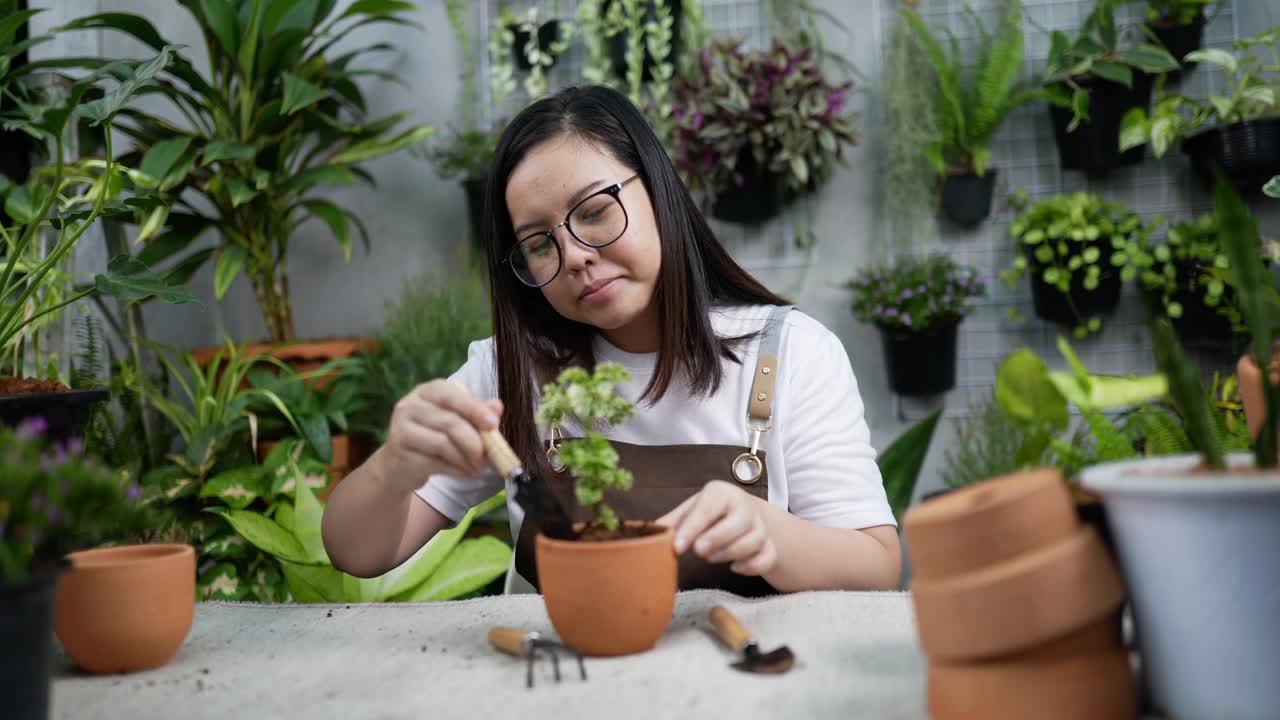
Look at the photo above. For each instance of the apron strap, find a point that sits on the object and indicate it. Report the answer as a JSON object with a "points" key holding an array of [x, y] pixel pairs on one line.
{"points": [[760, 407]]}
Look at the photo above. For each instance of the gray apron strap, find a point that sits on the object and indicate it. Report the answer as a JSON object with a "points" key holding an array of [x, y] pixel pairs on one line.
{"points": [[747, 467]]}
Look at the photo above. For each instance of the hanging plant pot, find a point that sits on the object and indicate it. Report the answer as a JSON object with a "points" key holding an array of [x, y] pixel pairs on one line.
{"points": [[26, 646], [1200, 324], [966, 196], [66, 411], [757, 199], [618, 43], [548, 33], [920, 363], [474, 189], [1248, 153], [1094, 146], [1180, 39], [1054, 306]]}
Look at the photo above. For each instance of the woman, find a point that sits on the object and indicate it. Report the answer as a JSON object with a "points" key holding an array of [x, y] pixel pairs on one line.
{"points": [[597, 253]]}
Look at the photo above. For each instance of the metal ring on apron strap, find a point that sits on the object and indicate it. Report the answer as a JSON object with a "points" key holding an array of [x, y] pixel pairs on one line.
{"points": [[748, 467]]}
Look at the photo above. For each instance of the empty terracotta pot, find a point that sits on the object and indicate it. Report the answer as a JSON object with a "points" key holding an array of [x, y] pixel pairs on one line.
{"points": [[1017, 604], [1097, 686], [126, 609], [988, 523], [609, 598], [1252, 394]]}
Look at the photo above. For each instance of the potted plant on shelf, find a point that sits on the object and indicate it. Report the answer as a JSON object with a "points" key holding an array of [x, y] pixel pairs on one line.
{"points": [[1242, 126], [276, 117], [610, 590], [917, 304], [1179, 26], [970, 105], [1198, 615], [55, 501], [755, 130], [1091, 83], [1073, 247]]}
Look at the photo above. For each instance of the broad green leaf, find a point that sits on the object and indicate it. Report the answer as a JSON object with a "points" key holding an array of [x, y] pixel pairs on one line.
{"points": [[299, 93], [359, 590], [130, 280], [178, 173], [285, 517], [1213, 56], [377, 8], [475, 563], [142, 76], [322, 174], [221, 15], [1149, 58], [153, 224], [249, 44], [230, 260], [9, 25], [221, 582], [223, 150], [1115, 72], [241, 192], [237, 488], [1025, 393], [313, 583], [372, 148], [229, 544], [399, 582], [287, 15], [315, 429], [307, 515], [160, 157], [1163, 134], [266, 535], [25, 201], [900, 463], [1272, 188], [333, 216]]}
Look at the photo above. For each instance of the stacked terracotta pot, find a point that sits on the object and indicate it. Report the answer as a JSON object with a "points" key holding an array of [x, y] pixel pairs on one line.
{"points": [[1017, 605]]}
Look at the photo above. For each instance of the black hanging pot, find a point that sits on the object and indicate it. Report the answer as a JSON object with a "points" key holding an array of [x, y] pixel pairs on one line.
{"points": [[757, 199], [1094, 146], [1248, 153], [1180, 39], [619, 42], [26, 646], [548, 33], [1052, 305], [966, 196], [474, 189], [1200, 324], [67, 413], [920, 363]]}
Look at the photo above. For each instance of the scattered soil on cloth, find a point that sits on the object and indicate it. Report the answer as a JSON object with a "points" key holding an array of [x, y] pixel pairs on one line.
{"points": [[29, 386], [597, 533]]}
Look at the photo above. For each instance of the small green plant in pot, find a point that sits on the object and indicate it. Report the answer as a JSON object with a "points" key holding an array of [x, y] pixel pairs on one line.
{"points": [[1073, 249], [970, 106], [1092, 82], [917, 304], [632, 563], [1197, 619], [1179, 25]]}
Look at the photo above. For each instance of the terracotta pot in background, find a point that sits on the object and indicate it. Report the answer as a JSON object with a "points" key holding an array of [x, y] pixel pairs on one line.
{"points": [[301, 356], [609, 598], [126, 609], [1252, 393]]}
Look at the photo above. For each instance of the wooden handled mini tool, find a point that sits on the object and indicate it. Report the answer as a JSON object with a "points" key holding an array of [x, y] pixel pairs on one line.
{"points": [[739, 639], [540, 506], [527, 644]]}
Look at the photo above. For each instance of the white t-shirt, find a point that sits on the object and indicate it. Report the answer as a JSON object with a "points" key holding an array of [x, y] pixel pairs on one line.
{"points": [[821, 465]]}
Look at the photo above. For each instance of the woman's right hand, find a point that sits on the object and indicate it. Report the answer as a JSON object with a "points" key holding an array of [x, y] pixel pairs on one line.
{"points": [[436, 429]]}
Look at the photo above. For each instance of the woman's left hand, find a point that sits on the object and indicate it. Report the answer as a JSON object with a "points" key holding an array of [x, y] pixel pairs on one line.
{"points": [[722, 523]]}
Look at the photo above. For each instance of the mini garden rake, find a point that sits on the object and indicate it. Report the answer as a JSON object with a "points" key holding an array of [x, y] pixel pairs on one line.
{"points": [[520, 643]]}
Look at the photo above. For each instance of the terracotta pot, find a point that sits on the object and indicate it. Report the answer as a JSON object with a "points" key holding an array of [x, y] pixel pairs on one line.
{"points": [[301, 356], [349, 452], [1018, 604], [1252, 393], [126, 609], [989, 523], [609, 598], [1097, 686]]}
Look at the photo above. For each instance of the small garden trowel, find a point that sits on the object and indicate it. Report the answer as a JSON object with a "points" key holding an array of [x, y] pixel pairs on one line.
{"points": [[540, 505], [736, 636]]}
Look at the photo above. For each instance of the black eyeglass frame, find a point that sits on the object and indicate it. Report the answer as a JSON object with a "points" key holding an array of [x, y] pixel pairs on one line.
{"points": [[613, 191]]}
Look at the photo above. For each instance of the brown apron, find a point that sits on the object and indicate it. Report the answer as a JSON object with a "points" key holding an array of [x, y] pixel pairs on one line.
{"points": [[667, 475]]}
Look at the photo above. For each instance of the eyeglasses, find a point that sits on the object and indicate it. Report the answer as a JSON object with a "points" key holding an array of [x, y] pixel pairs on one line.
{"points": [[596, 221]]}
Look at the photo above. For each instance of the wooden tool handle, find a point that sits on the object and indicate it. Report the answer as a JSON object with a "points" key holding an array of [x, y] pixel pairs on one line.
{"points": [[508, 640], [500, 453], [728, 628]]}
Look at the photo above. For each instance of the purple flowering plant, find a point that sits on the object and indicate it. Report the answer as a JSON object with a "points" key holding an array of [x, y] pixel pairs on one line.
{"points": [[774, 106], [915, 294], [55, 499]]}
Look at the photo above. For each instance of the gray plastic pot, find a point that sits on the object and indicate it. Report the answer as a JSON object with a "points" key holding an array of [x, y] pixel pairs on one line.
{"points": [[1198, 552]]}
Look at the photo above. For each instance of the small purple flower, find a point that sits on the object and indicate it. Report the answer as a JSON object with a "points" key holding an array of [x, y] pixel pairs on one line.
{"points": [[906, 319], [32, 427], [75, 446], [697, 120], [946, 298], [133, 493], [906, 294], [891, 312]]}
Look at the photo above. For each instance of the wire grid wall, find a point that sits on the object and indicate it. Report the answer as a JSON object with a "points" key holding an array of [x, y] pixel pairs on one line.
{"points": [[770, 245], [1026, 157]]}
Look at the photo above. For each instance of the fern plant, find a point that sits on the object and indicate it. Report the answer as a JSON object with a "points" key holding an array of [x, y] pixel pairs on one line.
{"points": [[987, 445], [972, 105]]}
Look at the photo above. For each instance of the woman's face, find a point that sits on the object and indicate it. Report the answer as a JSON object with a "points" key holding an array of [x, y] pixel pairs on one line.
{"points": [[611, 287]]}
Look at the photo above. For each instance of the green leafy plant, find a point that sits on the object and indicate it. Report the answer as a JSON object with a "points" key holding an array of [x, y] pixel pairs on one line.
{"points": [[1252, 91], [590, 399], [972, 103], [775, 107], [1272, 188], [464, 153], [1098, 51], [1161, 428], [450, 566], [1071, 241], [277, 116], [987, 444], [56, 499], [316, 411], [1177, 12], [901, 462], [916, 293], [1190, 259]]}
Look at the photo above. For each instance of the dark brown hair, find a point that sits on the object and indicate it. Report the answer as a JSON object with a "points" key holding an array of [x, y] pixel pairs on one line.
{"points": [[533, 340]]}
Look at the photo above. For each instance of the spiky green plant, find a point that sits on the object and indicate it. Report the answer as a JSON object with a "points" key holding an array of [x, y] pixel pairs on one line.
{"points": [[971, 105]]}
